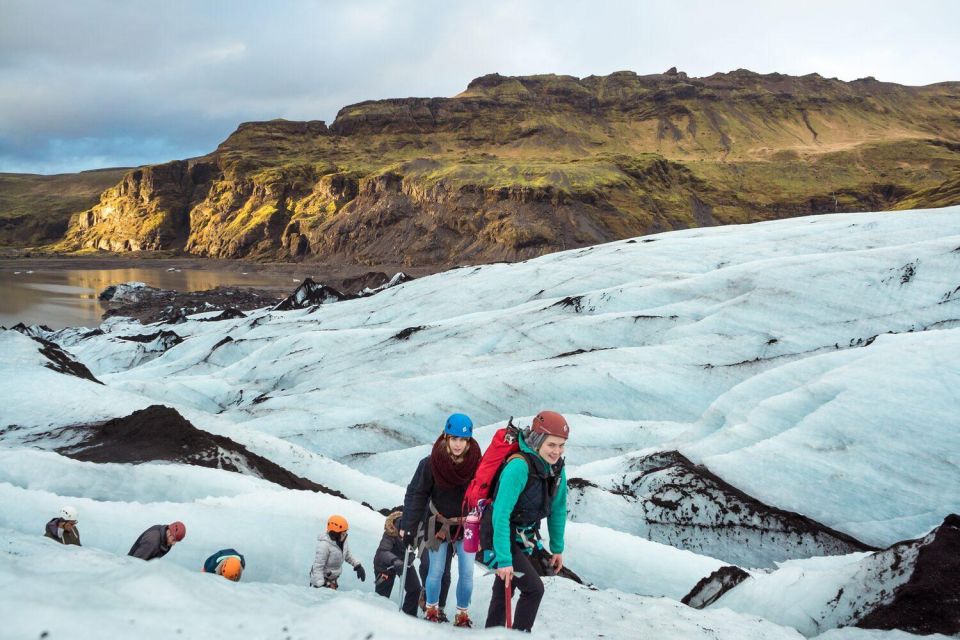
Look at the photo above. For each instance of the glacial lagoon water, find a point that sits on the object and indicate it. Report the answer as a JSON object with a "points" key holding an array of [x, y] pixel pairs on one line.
{"points": [[59, 297]]}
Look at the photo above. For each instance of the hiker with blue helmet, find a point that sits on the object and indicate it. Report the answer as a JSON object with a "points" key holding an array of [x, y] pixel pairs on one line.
{"points": [[433, 507]]}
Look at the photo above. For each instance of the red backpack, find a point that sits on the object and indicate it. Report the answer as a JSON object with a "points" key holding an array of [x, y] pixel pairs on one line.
{"points": [[503, 445]]}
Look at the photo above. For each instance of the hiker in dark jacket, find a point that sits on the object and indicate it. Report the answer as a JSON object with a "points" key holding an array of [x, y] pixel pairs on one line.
{"points": [[228, 563], [532, 486], [156, 541], [388, 564], [63, 528], [434, 501]]}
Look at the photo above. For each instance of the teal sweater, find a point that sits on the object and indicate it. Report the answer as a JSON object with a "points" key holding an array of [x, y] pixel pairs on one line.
{"points": [[513, 479]]}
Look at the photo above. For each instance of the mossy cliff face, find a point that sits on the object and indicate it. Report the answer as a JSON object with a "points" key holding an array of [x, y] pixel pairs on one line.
{"points": [[517, 167]]}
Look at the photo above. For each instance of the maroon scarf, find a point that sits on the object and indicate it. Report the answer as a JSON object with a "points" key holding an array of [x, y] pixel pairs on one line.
{"points": [[448, 473]]}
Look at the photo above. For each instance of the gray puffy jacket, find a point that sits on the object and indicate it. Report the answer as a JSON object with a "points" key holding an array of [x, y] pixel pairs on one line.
{"points": [[329, 560]]}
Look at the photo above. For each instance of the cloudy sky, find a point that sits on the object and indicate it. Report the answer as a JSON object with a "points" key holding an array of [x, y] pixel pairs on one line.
{"points": [[97, 83]]}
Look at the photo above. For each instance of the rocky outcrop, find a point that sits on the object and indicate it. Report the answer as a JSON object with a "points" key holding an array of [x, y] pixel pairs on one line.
{"points": [[666, 498], [149, 304], [710, 588], [929, 601], [148, 210], [61, 362], [912, 585], [160, 433], [515, 167], [310, 294]]}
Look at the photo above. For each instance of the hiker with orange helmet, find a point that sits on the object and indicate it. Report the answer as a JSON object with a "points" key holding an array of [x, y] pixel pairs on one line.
{"points": [[157, 541], [532, 485], [228, 563], [433, 504], [332, 550]]}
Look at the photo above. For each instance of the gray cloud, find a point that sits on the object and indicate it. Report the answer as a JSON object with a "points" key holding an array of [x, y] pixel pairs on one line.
{"points": [[103, 83]]}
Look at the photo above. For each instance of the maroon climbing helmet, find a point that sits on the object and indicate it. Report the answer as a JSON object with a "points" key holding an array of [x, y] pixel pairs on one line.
{"points": [[550, 423]]}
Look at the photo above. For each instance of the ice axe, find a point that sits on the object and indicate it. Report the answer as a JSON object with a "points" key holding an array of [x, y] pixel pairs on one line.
{"points": [[508, 601], [402, 577]]}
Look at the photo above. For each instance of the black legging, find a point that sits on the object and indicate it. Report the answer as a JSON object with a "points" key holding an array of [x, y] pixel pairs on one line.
{"points": [[412, 585], [531, 592]]}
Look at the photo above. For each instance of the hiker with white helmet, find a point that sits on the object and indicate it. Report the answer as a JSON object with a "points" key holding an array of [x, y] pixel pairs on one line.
{"points": [[332, 550], [433, 504], [63, 528]]}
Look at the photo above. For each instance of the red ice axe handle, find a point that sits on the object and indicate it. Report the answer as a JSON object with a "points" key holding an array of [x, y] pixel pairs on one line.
{"points": [[508, 595]]}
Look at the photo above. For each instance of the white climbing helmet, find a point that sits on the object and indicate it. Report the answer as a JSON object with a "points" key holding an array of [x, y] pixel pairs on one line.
{"points": [[68, 513]]}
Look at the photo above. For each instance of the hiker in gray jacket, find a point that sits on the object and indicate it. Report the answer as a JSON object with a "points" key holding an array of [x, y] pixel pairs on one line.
{"points": [[332, 550], [156, 541]]}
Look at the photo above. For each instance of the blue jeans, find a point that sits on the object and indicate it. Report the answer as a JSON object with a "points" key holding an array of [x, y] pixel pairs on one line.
{"points": [[464, 574]]}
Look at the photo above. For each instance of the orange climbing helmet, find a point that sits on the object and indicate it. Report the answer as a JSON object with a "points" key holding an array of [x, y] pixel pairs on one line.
{"points": [[231, 568], [337, 524]]}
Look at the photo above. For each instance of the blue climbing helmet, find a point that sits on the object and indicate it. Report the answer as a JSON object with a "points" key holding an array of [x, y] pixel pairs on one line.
{"points": [[459, 425]]}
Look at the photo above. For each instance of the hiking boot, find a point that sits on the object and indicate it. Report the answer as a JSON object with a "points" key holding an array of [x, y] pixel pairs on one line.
{"points": [[432, 614], [443, 616], [463, 619]]}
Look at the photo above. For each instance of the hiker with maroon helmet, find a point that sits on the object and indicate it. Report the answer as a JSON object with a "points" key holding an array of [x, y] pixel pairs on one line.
{"points": [[531, 485], [434, 502], [392, 561], [63, 528], [332, 550], [156, 541]]}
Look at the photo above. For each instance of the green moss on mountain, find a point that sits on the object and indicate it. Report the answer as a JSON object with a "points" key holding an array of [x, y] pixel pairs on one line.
{"points": [[516, 167]]}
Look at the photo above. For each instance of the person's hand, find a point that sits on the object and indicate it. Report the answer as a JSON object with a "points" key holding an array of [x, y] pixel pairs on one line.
{"points": [[505, 574], [398, 565], [556, 561], [408, 537], [360, 572]]}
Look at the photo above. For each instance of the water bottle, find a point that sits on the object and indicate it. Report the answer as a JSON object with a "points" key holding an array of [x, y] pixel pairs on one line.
{"points": [[471, 530]]}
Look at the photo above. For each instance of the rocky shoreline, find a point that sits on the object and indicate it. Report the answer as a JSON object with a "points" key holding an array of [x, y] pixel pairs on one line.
{"points": [[149, 304]]}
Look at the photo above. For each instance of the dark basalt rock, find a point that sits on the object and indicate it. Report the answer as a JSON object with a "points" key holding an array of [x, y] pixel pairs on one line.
{"points": [[310, 294], [668, 499], [710, 588], [165, 339], [60, 362], [930, 600], [161, 433], [172, 307], [228, 314], [404, 334]]}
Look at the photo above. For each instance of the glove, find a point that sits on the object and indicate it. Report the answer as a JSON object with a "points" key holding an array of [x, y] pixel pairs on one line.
{"points": [[397, 565], [408, 537], [360, 572]]}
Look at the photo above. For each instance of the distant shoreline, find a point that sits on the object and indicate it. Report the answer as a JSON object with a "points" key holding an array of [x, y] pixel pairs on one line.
{"points": [[325, 273]]}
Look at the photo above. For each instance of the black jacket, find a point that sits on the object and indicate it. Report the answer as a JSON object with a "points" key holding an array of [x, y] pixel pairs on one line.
{"points": [[151, 544], [422, 490], [390, 550]]}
